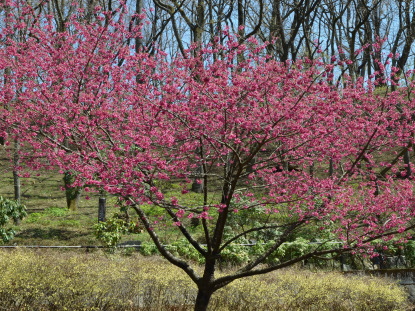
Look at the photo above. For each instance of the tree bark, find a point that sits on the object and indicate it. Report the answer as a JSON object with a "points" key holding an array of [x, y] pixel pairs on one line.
{"points": [[407, 162], [197, 185], [202, 300], [72, 193], [16, 177]]}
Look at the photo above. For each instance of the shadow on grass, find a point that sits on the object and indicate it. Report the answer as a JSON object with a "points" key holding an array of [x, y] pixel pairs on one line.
{"points": [[48, 234]]}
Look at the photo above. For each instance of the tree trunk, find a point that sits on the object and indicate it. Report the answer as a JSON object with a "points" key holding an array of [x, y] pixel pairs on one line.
{"points": [[72, 193], [72, 200], [202, 300], [138, 10], [331, 168], [197, 185], [250, 166], [16, 177]]}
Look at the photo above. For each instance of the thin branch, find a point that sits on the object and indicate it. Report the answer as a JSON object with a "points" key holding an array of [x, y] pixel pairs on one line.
{"points": [[161, 248]]}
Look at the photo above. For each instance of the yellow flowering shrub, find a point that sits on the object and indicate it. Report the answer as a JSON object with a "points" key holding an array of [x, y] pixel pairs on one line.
{"points": [[51, 280], [300, 290]]}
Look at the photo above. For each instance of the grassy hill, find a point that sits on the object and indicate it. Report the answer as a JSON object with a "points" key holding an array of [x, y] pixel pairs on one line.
{"points": [[49, 222]]}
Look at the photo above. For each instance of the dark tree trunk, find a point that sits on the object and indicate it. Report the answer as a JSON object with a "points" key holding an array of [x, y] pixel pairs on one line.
{"points": [[138, 40], [250, 166], [202, 300], [407, 161], [205, 286], [16, 177]]}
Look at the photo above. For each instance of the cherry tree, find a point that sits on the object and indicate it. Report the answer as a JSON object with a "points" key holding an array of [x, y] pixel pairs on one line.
{"points": [[264, 132]]}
